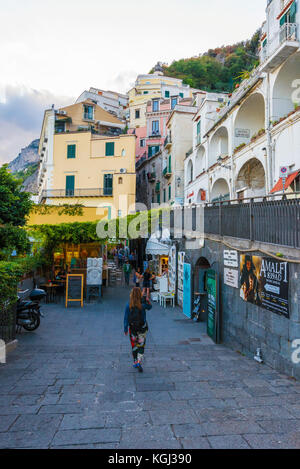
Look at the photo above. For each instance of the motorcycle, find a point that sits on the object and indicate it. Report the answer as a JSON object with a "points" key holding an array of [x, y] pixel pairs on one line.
{"points": [[28, 311]]}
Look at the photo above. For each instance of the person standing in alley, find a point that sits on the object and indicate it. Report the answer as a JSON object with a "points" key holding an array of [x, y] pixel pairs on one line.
{"points": [[147, 277], [135, 322], [127, 271]]}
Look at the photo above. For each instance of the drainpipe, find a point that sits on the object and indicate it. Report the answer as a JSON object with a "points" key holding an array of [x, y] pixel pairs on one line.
{"points": [[269, 140]]}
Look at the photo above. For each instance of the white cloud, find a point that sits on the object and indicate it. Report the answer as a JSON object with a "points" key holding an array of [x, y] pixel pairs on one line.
{"points": [[21, 115]]}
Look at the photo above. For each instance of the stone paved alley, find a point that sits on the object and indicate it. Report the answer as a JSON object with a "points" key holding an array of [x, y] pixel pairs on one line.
{"points": [[71, 384]]}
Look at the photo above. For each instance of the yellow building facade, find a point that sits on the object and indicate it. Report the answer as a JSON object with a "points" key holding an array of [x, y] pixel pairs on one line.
{"points": [[149, 87], [86, 160]]}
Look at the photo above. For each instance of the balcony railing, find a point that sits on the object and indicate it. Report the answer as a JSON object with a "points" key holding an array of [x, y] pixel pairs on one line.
{"points": [[60, 193], [288, 33], [168, 141], [271, 219]]}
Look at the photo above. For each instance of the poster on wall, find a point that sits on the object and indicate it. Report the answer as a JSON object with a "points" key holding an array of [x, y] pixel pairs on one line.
{"points": [[231, 277], [264, 281]]}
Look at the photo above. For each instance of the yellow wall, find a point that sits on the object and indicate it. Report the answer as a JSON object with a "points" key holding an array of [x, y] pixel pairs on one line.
{"points": [[89, 167], [53, 218], [76, 113]]}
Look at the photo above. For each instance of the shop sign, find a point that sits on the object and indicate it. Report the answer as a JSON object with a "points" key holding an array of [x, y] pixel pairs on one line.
{"points": [[187, 290], [94, 271], [231, 258], [242, 133], [213, 319], [264, 281], [74, 288], [231, 277]]}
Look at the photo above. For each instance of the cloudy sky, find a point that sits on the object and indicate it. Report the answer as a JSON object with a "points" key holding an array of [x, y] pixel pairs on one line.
{"points": [[51, 50]]}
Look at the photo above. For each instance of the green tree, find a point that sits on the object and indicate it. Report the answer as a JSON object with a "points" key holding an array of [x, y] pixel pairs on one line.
{"points": [[15, 205]]}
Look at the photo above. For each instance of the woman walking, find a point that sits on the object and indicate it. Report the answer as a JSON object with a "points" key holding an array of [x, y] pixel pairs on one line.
{"points": [[146, 283], [135, 322]]}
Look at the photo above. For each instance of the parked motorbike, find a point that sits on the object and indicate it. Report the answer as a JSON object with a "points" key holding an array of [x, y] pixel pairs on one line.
{"points": [[28, 311]]}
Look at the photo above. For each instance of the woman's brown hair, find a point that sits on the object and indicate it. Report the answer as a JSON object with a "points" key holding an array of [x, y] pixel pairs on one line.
{"points": [[135, 298]]}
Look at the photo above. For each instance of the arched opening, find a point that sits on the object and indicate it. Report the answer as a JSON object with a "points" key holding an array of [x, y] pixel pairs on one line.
{"points": [[190, 172], [200, 292], [218, 145], [285, 96], [220, 191], [120, 180], [201, 196], [250, 119], [200, 161], [251, 181]]}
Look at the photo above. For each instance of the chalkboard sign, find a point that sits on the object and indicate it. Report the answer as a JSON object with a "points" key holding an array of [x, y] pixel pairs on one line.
{"points": [[74, 288], [213, 319]]}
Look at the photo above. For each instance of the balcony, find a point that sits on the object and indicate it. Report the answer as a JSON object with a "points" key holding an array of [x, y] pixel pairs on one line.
{"points": [[167, 172], [155, 135], [283, 44], [168, 142], [61, 193], [151, 177]]}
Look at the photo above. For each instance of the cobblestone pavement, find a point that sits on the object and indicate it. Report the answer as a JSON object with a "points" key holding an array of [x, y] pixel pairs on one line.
{"points": [[71, 384]]}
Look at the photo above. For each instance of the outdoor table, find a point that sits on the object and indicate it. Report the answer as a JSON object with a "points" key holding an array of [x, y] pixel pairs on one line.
{"points": [[51, 291]]}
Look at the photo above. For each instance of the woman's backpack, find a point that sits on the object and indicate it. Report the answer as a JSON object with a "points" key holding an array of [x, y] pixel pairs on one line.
{"points": [[136, 320]]}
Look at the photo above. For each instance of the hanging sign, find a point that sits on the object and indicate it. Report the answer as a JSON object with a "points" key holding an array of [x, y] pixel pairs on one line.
{"points": [[74, 288], [264, 281]]}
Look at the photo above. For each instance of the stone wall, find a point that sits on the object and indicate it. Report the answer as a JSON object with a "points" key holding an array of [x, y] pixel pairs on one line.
{"points": [[245, 326]]}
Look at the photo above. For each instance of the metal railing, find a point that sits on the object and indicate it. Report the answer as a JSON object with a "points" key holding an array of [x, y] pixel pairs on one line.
{"points": [[57, 193], [270, 219]]}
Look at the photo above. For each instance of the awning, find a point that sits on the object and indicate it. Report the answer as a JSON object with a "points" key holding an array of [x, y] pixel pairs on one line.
{"points": [[279, 185], [155, 247]]}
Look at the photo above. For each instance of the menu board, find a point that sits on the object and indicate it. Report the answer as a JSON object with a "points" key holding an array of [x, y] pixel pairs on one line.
{"points": [[213, 319], [74, 288]]}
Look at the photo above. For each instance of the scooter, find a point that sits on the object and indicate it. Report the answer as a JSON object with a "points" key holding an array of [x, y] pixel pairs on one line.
{"points": [[28, 311]]}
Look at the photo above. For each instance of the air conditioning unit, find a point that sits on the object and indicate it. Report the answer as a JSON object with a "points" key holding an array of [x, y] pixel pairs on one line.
{"points": [[123, 170]]}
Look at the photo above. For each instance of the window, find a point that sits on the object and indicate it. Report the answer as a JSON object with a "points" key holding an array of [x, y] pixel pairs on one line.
{"points": [[170, 164], [88, 112], [142, 142], [59, 127], [199, 132], [137, 113], [108, 184], [120, 180], [123, 152], [173, 102], [167, 94], [170, 191], [165, 198], [71, 151], [146, 92], [155, 105], [109, 148], [158, 198], [155, 127], [152, 150], [119, 213], [70, 185], [181, 95]]}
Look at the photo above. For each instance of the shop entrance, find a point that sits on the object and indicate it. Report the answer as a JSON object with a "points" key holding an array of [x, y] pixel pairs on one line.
{"points": [[200, 292]]}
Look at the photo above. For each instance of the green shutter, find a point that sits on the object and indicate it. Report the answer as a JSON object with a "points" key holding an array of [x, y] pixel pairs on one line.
{"points": [[181, 95], [158, 198], [71, 151], [108, 184], [170, 164], [70, 185], [109, 148], [165, 195], [167, 94], [283, 20], [292, 12], [170, 191]]}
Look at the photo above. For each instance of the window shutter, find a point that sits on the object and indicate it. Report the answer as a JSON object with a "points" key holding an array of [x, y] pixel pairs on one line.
{"points": [[170, 192], [283, 20], [170, 164], [71, 151], [109, 149], [70, 185], [108, 184], [292, 12]]}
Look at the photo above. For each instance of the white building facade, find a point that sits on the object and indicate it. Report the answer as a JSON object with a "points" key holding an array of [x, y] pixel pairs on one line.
{"points": [[241, 140]]}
